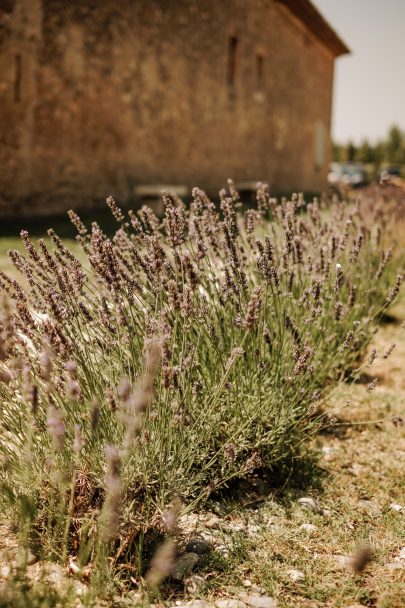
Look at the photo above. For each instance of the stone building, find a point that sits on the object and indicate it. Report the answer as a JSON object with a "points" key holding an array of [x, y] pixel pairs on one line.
{"points": [[98, 97]]}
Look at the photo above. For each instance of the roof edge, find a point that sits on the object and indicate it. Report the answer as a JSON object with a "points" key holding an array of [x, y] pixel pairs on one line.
{"points": [[317, 24]]}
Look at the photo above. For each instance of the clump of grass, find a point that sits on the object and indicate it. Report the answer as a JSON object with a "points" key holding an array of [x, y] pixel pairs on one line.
{"points": [[184, 352]]}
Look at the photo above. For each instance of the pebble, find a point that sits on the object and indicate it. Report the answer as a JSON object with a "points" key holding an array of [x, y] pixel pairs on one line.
{"points": [[296, 575], [329, 452], [222, 550], [253, 529], [136, 598], [230, 602], [277, 529], [209, 535], [188, 522], [356, 469], [73, 567], [214, 522], [5, 570], [369, 507], [184, 565], [255, 600], [235, 526], [194, 584], [194, 604], [309, 528], [56, 576], [17, 558], [395, 507], [344, 561], [310, 504], [395, 566], [198, 545], [25, 558]]}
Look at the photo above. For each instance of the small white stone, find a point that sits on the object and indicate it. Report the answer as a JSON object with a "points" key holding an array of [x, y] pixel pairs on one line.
{"points": [[395, 507], [395, 566], [371, 507], [5, 570], [247, 583], [276, 528], [329, 452], [296, 575], [195, 583], [73, 567], [194, 604], [255, 600], [209, 536], [344, 561], [235, 526], [310, 528], [310, 504], [52, 573], [356, 469], [230, 602], [223, 550], [136, 597], [214, 522], [188, 522]]}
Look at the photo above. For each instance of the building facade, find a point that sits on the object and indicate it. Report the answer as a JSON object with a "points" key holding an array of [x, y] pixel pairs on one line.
{"points": [[100, 96]]}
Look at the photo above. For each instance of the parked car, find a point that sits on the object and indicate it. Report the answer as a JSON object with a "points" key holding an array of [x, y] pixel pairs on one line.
{"points": [[388, 173], [352, 175]]}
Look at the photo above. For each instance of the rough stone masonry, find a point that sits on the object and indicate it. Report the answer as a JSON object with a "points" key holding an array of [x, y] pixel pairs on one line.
{"points": [[100, 96]]}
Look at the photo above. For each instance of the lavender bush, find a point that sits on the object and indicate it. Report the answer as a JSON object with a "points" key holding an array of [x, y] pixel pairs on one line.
{"points": [[175, 356]]}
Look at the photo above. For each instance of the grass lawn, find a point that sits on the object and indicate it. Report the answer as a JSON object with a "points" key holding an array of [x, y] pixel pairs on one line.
{"points": [[14, 242]]}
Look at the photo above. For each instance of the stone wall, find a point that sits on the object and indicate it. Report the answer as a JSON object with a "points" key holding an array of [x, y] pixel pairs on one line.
{"points": [[98, 96]]}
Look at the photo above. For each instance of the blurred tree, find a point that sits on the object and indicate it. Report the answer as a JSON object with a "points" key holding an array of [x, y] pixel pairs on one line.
{"points": [[338, 152], [379, 153], [365, 153], [351, 152], [395, 146], [390, 150]]}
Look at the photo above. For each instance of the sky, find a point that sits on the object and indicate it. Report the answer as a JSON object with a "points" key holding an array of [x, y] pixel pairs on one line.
{"points": [[369, 91]]}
